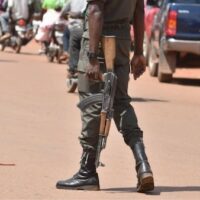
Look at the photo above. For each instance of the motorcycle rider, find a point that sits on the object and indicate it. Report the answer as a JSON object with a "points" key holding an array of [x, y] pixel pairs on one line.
{"points": [[50, 12], [22, 9]]}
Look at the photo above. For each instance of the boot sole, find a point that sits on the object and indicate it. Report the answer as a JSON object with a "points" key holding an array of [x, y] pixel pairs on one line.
{"points": [[146, 183], [85, 187]]}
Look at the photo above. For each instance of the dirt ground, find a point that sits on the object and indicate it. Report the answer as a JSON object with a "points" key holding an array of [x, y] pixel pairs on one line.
{"points": [[40, 125]]}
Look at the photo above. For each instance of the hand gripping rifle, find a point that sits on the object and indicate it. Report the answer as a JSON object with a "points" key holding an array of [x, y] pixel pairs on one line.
{"points": [[106, 97]]}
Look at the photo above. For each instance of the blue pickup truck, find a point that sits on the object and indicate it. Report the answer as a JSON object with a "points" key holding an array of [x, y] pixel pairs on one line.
{"points": [[175, 33]]}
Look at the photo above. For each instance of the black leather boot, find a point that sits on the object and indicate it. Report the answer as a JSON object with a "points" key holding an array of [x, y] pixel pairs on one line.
{"points": [[143, 169], [85, 179]]}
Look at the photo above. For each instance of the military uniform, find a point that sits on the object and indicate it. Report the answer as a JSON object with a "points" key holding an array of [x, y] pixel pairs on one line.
{"points": [[117, 24], [117, 16]]}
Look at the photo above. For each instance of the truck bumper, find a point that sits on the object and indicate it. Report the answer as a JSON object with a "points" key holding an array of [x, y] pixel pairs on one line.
{"points": [[188, 46]]}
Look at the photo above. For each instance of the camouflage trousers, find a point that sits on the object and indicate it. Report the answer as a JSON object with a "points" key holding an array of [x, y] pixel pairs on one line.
{"points": [[124, 115]]}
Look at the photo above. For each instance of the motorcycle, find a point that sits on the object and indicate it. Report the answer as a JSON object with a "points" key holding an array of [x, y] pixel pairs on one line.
{"points": [[21, 34], [55, 47]]}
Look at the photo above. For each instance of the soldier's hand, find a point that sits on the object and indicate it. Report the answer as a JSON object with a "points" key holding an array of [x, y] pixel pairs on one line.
{"points": [[138, 66], [93, 70]]}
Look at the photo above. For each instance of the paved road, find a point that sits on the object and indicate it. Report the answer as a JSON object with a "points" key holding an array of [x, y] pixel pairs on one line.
{"points": [[39, 127]]}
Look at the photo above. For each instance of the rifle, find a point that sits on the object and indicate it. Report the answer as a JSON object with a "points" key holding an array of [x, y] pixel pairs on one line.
{"points": [[106, 97]]}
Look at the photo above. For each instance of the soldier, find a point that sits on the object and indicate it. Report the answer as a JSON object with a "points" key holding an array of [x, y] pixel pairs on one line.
{"points": [[110, 17]]}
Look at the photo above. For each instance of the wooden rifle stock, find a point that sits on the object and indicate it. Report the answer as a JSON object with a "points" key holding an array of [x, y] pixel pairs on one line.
{"points": [[109, 47]]}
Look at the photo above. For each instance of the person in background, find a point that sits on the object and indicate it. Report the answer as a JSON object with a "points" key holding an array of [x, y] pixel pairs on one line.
{"points": [[50, 14], [66, 38], [73, 32]]}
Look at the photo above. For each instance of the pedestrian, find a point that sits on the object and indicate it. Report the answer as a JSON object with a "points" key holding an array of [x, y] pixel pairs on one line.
{"points": [[73, 33], [110, 17]]}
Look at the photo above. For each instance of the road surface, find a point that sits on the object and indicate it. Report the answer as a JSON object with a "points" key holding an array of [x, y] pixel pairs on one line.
{"points": [[40, 125]]}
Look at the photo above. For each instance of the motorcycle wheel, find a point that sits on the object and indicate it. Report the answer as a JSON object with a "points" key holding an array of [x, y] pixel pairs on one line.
{"points": [[18, 45], [2, 45], [71, 85], [59, 53], [58, 59], [50, 58]]}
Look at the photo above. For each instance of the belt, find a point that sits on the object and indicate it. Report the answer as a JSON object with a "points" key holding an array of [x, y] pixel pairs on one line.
{"points": [[116, 25]]}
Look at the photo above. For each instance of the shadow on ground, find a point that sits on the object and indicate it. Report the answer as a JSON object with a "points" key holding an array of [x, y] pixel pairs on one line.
{"points": [[157, 191], [10, 51], [8, 61], [186, 81], [29, 54], [140, 99]]}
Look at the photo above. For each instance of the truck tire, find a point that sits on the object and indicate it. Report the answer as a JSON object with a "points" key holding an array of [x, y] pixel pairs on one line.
{"points": [[152, 60], [168, 60], [167, 65], [165, 78]]}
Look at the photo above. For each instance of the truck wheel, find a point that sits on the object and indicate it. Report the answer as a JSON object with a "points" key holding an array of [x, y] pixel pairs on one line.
{"points": [[166, 78], [152, 60], [167, 65]]}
